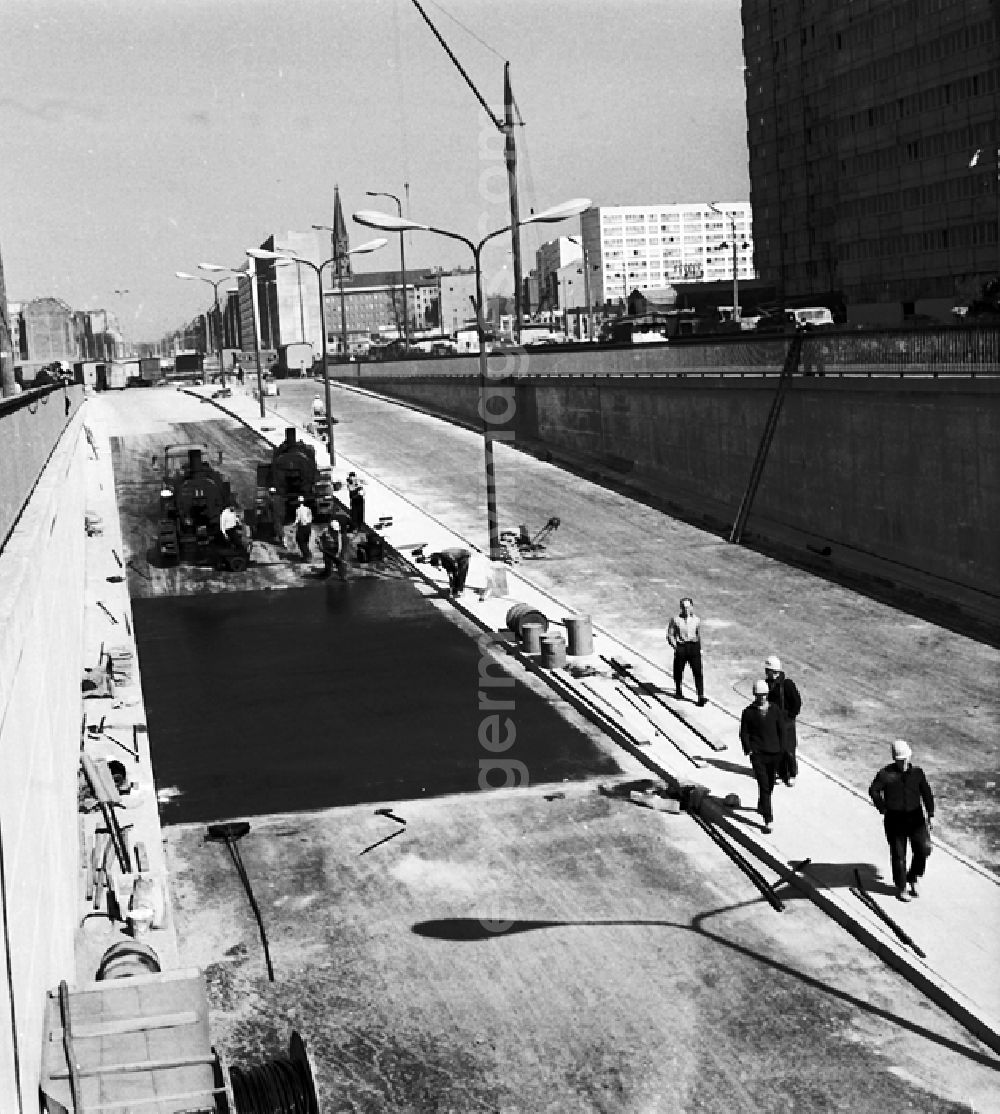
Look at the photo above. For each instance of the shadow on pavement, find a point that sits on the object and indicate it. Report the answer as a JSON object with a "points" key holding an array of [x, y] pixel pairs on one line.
{"points": [[470, 929]]}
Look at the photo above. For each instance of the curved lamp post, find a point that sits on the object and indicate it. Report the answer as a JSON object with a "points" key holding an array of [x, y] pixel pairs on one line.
{"points": [[387, 223], [736, 274], [285, 256], [215, 284], [402, 259]]}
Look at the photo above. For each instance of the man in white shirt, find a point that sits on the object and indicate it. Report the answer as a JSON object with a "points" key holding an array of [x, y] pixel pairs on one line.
{"points": [[229, 526], [684, 637], [303, 528]]}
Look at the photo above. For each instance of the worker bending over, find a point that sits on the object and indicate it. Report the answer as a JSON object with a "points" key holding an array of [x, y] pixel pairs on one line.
{"points": [[455, 563]]}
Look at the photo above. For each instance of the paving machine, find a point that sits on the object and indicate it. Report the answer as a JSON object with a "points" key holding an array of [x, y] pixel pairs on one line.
{"points": [[192, 497], [291, 472]]}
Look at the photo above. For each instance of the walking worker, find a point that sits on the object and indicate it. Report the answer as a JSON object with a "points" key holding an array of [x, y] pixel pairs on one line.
{"points": [[898, 791], [760, 735], [319, 409], [684, 637], [782, 690], [303, 528], [331, 544], [356, 495], [455, 563]]}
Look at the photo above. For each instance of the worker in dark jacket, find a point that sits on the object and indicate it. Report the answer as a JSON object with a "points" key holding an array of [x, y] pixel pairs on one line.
{"points": [[331, 544], [760, 734], [901, 793], [356, 497], [455, 563], [781, 690]]}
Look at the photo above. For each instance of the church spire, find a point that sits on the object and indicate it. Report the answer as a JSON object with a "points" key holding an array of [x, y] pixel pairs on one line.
{"points": [[340, 242]]}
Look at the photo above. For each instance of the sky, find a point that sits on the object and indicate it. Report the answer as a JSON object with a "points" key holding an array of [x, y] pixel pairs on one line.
{"points": [[143, 137]]}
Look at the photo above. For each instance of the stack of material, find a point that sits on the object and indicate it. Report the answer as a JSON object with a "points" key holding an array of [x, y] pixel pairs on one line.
{"points": [[121, 664], [93, 523]]}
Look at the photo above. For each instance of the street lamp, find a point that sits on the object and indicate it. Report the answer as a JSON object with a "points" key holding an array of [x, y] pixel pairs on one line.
{"points": [[387, 223], [402, 260], [736, 267], [285, 256], [215, 284]]}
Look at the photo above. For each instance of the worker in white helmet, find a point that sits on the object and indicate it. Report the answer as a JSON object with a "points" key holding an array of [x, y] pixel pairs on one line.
{"points": [[901, 794], [782, 690], [760, 736]]}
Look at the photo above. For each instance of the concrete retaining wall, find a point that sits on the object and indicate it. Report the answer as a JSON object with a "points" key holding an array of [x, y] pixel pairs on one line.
{"points": [[892, 478], [30, 424], [41, 633]]}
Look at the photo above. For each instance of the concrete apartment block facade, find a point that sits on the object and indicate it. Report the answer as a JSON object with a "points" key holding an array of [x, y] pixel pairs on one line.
{"points": [[863, 120], [47, 331], [550, 259], [647, 247], [457, 293]]}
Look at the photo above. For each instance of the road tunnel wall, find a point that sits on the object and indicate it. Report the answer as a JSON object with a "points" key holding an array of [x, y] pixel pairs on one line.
{"points": [[894, 479], [41, 638]]}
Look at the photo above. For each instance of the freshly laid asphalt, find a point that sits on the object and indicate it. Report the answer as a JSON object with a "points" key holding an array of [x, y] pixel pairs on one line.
{"points": [[861, 666]]}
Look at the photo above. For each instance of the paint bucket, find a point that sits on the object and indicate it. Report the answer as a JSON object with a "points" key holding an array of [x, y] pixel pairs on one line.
{"points": [[580, 635], [522, 613], [531, 638], [553, 651]]}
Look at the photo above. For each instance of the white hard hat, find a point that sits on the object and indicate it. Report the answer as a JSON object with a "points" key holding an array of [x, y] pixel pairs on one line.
{"points": [[901, 750], [761, 687], [773, 662]]}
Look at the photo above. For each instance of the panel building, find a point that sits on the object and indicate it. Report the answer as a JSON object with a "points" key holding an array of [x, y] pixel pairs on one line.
{"points": [[873, 135], [647, 247]]}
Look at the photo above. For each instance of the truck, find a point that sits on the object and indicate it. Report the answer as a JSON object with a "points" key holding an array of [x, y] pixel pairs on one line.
{"points": [[188, 365], [149, 371], [294, 360]]}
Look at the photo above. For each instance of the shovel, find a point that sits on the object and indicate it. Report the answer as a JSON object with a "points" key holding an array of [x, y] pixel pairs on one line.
{"points": [[229, 833]]}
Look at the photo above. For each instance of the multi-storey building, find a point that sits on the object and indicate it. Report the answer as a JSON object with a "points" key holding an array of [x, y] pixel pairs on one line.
{"points": [[550, 259], [458, 292], [646, 247], [874, 129]]}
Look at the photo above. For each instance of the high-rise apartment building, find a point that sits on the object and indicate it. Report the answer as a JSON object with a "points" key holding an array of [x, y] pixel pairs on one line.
{"points": [[647, 247], [864, 123]]}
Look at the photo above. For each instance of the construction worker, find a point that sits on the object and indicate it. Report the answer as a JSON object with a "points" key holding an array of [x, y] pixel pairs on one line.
{"points": [[455, 563], [898, 792], [331, 544], [230, 526], [783, 691], [356, 495], [303, 528], [760, 736], [319, 410]]}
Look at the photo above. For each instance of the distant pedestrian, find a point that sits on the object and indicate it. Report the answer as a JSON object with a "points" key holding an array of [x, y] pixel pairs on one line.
{"points": [[303, 528], [455, 563], [331, 544], [684, 637], [356, 496], [782, 690], [901, 794], [760, 736], [319, 410]]}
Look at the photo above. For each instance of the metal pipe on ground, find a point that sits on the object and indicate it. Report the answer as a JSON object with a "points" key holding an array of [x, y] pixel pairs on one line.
{"points": [[758, 879], [229, 832]]}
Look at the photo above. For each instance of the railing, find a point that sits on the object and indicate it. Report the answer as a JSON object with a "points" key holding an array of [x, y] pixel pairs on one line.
{"points": [[962, 352]]}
